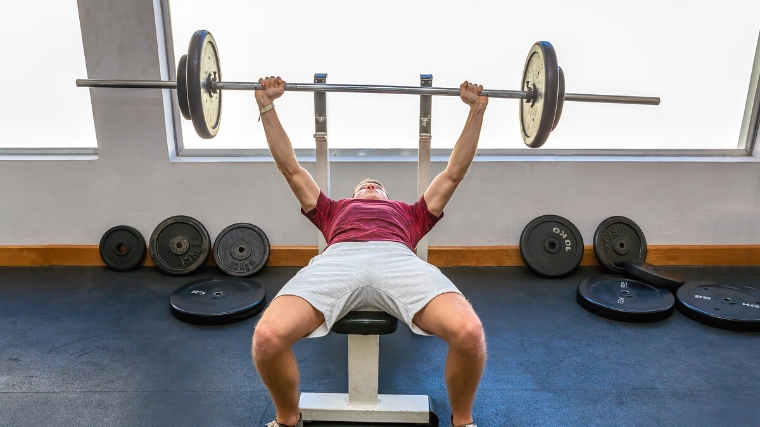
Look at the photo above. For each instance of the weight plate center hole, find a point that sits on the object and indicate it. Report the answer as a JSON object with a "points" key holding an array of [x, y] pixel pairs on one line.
{"points": [[122, 249], [216, 294], [621, 246], [551, 246], [241, 250], [179, 245]]}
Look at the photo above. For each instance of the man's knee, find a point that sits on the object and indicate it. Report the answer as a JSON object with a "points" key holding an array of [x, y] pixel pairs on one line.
{"points": [[288, 319], [268, 341], [470, 337]]}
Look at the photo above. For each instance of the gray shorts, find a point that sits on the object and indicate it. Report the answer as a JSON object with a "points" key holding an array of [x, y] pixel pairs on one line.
{"points": [[372, 276]]}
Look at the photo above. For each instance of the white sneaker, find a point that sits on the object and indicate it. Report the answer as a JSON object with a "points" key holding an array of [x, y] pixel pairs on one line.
{"points": [[451, 423], [274, 422]]}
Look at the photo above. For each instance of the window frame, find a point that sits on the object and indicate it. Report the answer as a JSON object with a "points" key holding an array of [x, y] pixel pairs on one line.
{"points": [[743, 153]]}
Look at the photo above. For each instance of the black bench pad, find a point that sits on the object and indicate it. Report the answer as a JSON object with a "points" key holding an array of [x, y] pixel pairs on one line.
{"points": [[366, 323]]}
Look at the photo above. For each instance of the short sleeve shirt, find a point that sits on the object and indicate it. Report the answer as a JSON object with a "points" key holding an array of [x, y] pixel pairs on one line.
{"points": [[365, 220]]}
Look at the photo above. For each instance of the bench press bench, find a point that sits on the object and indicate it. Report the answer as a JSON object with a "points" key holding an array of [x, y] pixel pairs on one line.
{"points": [[362, 403]]}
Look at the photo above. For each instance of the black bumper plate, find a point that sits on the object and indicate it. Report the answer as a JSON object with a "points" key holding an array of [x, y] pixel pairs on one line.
{"points": [[217, 301], [727, 306], [618, 298]]}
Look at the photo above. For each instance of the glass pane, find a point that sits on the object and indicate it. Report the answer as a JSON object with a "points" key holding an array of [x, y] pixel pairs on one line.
{"points": [[683, 52], [44, 56]]}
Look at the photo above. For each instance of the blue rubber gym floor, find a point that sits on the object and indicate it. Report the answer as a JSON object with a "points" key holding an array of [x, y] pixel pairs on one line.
{"points": [[86, 346]]}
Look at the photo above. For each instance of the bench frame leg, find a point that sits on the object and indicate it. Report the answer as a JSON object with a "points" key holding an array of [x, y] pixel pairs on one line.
{"points": [[362, 403]]}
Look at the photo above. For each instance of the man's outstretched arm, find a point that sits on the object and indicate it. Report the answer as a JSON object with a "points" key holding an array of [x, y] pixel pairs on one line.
{"points": [[442, 188], [299, 179]]}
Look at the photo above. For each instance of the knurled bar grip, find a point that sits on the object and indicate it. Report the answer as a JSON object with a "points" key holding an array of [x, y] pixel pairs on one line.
{"points": [[409, 90]]}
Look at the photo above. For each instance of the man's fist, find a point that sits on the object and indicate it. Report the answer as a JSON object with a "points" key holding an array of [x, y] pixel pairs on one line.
{"points": [[273, 89]]}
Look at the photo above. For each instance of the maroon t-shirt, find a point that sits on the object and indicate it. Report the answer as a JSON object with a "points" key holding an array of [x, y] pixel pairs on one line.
{"points": [[365, 220]]}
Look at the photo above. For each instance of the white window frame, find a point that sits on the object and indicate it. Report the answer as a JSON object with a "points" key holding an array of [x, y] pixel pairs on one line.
{"points": [[743, 153]]}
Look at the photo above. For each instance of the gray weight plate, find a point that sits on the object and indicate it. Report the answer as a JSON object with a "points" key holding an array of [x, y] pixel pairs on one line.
{"points": [[241, 249], [540, 75], [735, 307], [202, 68], [618, 240], [179, 245], [551, 245], [654, 275], [184, 105], [623, 299], [122, 248], [560, 97], [217, 301]]}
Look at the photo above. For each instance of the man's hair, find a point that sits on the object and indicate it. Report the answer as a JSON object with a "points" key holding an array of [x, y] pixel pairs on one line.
{"points": [[367, 181]]}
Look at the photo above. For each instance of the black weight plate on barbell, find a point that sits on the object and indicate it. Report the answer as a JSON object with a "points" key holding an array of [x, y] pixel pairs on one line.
{"points": [[618, 240], [735, 307], [241, 249], [551, 245], [539, 75], [122, 248], [179, 245], [202, 67], [217, 301], [627, 300], [654, 275], [184, 106], [560, 96]]}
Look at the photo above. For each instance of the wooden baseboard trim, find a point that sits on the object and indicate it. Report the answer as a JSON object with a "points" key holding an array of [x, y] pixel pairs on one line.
{"points": [[441, 256], [477, 256]]}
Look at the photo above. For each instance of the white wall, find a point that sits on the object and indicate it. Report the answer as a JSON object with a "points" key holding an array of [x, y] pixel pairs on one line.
{"points": [[133, 181]]}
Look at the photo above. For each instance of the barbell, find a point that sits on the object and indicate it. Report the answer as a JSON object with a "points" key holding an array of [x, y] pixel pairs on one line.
{"points": [[199, 88]]}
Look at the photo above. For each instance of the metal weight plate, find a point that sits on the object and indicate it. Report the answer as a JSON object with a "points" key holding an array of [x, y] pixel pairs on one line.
{"points": [[122, 248], [203, 67], [560, 96], [540, 77], [241, 249], [623, 299], [618, 240], [725, 306], [184, 105], [217, 301], [179, 245], [654, 275], [551, 245]]}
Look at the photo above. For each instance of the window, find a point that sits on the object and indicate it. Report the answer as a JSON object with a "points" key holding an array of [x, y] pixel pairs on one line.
{"points": [[42, 107], [698, 57]]}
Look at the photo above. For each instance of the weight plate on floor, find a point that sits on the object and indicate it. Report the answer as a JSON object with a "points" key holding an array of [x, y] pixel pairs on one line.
{"points": [[184, 106], [618, 240], [179, 245], [725, 306], [241, 249], [540, 77], [551, 245], [216, 301], [202, 68], [560, 96], [623, 299], [654, 275], [122, 248]]}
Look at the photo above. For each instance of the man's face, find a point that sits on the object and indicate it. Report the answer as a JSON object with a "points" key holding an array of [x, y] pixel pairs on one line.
{"points": [[370, 190]]}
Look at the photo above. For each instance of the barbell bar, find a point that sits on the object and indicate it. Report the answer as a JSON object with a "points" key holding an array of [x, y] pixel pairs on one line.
{"points": [[331, 87], [199, 80]]}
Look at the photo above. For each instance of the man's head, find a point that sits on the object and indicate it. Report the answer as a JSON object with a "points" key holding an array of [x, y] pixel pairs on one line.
{"points": [[370, 189]]}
